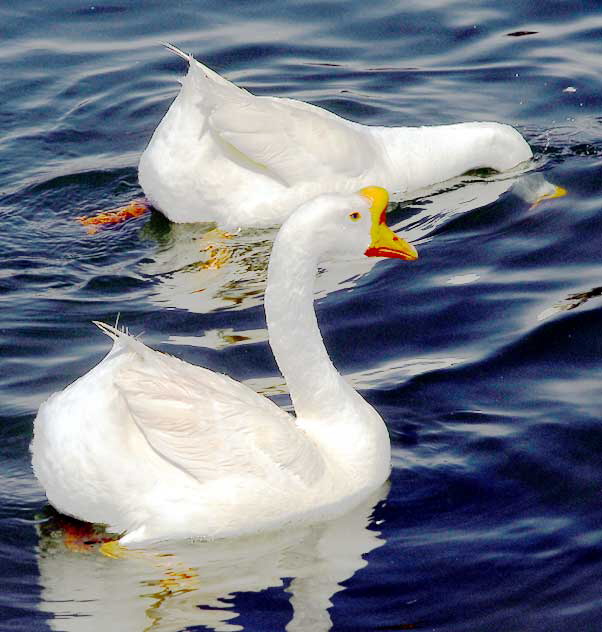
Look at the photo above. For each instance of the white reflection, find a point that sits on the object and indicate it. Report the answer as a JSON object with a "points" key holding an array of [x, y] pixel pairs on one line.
{"points": [[454, 197], [463, 279], [200, 270], [178, 585], [383, 376], [534, 189], [221, 338]]}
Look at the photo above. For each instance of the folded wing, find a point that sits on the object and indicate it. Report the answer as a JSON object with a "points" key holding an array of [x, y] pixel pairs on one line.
{"points": [[292, 140], [212, 426]]}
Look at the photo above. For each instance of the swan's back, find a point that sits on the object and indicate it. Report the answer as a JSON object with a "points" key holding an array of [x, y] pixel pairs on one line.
{"points": [[145, 435]]}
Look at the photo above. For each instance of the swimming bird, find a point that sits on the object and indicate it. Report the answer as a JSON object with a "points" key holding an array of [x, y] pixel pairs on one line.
{"points": [[222, 154], [160, 449]]}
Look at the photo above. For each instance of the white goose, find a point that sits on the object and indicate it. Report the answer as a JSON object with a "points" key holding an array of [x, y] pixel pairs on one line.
{"points": [[157, 448], [220, 152]]}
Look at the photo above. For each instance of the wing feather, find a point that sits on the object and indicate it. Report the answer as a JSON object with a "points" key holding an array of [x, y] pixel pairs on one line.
{"points": [[293, 140], [212, 426]]}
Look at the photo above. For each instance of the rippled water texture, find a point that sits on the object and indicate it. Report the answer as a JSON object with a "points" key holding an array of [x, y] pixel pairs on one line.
{"points": [[484, 356]]}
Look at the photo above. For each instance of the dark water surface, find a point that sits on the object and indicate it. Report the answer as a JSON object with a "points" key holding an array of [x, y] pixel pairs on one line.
{"points": [[484, 357]]}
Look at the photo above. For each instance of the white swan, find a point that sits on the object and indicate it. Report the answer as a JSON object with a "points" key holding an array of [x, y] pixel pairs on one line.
{"points": [[220, 152], [158, 448]]}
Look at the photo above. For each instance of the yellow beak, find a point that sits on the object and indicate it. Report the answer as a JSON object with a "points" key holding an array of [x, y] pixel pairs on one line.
{"points": [[557, 193], [385, 243]]}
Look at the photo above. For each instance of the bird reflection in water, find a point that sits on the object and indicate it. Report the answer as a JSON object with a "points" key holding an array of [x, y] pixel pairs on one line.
{"points": [[174, 585], [200, 269]]}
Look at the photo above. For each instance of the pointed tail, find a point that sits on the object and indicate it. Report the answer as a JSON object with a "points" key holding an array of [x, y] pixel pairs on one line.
{"points": [[180, 53]]}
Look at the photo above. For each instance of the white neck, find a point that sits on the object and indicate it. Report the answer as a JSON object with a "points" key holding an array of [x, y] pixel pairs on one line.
{"points": [[345, 426], [315, 386], [437, 153]]}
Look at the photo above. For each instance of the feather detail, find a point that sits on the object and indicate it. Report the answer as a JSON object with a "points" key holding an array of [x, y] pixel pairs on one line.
{"points": [[222, 154], [293, 140], [206, 423]]}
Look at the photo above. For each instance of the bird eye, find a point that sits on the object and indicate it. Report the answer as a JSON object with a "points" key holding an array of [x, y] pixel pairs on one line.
{"points": [[355, 216]]}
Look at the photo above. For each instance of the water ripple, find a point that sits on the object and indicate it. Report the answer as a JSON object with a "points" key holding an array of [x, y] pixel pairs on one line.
{"points": [[483, 356]]}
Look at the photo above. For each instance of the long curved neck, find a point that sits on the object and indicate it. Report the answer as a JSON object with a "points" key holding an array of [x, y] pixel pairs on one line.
{"points": [[430, 154], [315, 386]]}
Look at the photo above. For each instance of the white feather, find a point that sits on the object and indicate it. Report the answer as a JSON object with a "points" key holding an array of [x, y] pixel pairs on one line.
{"points": [[222, 154], [159, 448]]}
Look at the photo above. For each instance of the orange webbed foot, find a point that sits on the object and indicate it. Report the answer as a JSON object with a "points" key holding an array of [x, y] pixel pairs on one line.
{"points": [[135, 208]]}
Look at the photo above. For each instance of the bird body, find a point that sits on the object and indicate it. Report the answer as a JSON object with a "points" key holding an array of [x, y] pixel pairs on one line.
{"points": [[222, 154], [159, 448]]}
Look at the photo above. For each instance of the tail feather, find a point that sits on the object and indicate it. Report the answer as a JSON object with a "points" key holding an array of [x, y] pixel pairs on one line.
{"points": [[180, 53], [207, 73], [113, 332], [124, 342]]}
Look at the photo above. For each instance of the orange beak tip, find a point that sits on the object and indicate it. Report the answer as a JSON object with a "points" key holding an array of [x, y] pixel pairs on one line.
{"points": [[409, 254], [385, 243]]}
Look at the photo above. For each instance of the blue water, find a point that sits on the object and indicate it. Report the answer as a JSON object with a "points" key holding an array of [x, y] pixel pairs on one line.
{"points": [[484, 357]]}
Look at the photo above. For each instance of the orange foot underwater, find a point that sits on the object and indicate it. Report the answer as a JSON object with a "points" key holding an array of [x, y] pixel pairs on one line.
{"points": [[135, 208], [76, 536]]}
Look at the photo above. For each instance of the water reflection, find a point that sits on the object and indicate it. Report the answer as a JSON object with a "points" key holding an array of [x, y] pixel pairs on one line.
{"points": [[572, 301], [185, 584], [535, 189], [200, 269]]}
